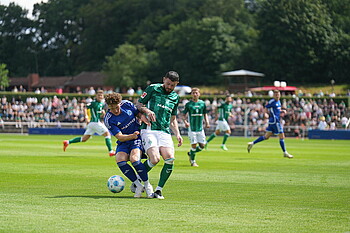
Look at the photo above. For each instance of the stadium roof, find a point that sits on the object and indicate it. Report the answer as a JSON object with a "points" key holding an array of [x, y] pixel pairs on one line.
{"points": [[243, 73]]}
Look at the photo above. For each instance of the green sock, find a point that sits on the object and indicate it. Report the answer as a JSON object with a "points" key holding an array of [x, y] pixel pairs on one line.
{"points": [[192, 154], [108, 143], [148, 168], [211, 137], [225, 138], [198, 149], [165, 174], [75, 140]]}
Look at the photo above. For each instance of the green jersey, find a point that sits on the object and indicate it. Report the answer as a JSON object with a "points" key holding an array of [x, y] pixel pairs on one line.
{"points": [[224, 111], [196, 112], [162, 104], [94, 110]]}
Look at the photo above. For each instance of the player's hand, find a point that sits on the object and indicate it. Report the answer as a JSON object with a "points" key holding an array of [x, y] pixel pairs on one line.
{"points": [[151, 115], [187, 124], [145, 120], [180, 140], [135, 134]]}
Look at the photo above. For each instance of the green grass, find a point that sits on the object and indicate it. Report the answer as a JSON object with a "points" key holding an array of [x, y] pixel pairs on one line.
{"points": [[43, 189]]}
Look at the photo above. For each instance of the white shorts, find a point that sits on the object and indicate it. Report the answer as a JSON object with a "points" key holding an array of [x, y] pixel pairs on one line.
{"points": [[153, 138], [197, 137], [95, 127], [222, 126]]}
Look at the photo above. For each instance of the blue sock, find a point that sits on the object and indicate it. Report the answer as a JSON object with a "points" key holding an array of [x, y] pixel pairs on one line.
{"points": [[282, 145], [141, 170], [261, 138], [127, 170]]}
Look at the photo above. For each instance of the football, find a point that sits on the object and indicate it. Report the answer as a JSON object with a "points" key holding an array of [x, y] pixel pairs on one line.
{"points": [[116, 184]]}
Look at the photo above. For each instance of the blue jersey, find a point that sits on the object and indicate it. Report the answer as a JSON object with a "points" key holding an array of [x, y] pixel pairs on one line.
{"points": [[125, 122], [274, 108]]}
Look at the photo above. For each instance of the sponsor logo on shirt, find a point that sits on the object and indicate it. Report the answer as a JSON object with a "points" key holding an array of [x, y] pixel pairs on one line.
{"points": [[144, 95], [163, 106]]}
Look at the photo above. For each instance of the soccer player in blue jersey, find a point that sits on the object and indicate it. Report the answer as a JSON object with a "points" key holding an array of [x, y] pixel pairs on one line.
{"points": [[274, 108], [121, 121]]}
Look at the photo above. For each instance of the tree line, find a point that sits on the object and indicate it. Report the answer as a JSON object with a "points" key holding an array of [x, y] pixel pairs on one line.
{"points": [[132, 41]]}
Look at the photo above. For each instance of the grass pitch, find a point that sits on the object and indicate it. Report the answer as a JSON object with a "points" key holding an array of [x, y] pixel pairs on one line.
{"points": [[43, 189]]}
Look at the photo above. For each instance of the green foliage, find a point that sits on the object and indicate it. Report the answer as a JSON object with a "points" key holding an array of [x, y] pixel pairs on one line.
{"points": [[197, 49], [296, 38], [128, 66], [44, 189], [4, 80]]}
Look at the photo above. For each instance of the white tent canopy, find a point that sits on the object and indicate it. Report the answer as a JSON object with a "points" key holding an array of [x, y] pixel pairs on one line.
{"points": [[243, 73]]}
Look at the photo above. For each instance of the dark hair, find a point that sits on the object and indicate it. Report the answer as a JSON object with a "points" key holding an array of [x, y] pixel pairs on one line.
{"points": [[173, 76], [113, 98]]}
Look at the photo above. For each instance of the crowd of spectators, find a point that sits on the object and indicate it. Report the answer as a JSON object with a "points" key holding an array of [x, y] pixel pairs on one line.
{"points": [[301, 113]]}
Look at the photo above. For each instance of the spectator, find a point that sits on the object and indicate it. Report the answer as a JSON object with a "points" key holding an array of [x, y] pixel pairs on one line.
{"points": [[322, 125], [131, 91]]}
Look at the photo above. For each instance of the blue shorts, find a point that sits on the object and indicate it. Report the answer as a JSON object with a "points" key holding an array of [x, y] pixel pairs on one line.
{"points": [[128, 146], [275, 128]]}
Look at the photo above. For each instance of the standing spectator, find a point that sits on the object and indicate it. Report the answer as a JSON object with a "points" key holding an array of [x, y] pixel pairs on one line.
{"points": [[131, 91], [139, 91], [322, 125], [91, 91]]}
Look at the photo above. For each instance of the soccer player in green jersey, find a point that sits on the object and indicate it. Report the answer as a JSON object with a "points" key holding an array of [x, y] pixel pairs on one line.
{"points": [[196, 111], [161, 110], [93, 113], [224, 112]]}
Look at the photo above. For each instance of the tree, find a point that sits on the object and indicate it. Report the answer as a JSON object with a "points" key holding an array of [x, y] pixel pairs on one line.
{"points": [[128, 66], [15, 39], [4, 80], [197, 49], [296, 40]]}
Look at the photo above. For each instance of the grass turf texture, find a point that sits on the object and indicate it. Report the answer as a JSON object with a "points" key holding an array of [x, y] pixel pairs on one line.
{"points": [[43, 189]]}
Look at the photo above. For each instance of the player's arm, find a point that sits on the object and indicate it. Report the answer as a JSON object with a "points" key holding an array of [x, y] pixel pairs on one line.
{"points": [[175, 128], [143, 109], [127, 137], [141, 117], [87, 115], [206, 120]]}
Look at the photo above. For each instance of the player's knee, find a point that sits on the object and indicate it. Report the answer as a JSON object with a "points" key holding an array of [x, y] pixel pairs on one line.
{"points": [[169, 161]]}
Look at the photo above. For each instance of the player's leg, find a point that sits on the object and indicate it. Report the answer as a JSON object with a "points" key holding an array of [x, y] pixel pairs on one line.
{"points": [[166, 148], [282, 144], [141, 170], [108, 142], [260, 139], [212, 136], [150, 145], [192, 153], [66, 143], [226, 135], [122, 162]]}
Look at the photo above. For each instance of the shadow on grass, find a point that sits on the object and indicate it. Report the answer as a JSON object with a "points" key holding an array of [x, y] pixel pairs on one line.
{"points": [[93, 197]]}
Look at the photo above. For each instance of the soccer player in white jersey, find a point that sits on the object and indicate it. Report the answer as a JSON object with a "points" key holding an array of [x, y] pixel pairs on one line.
{"points": [[121, 121], [275, 127], [162, 103], [93, 112], [196, 111]]}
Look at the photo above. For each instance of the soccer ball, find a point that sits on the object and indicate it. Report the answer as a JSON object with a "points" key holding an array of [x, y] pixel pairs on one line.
{"points": [[116, 184]]}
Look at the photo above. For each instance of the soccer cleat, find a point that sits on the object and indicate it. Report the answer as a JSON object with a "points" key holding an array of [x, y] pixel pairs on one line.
{"points": [[133, 186], [287, 155], [158, 194], [138, 191], [112, 153], [250, 146], [149, 191], [224, 147], [65, 144], [194, 164]]}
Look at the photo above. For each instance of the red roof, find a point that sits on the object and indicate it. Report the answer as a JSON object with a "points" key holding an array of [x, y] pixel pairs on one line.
{"points": [[269, 88]]}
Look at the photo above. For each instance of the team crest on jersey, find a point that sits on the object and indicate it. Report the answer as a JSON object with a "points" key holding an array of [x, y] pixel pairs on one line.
{"points": [[129, 112], [144, 95]]}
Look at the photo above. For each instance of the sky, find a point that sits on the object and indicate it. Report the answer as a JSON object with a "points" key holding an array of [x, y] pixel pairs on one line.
{"points": [[27, 4]]}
